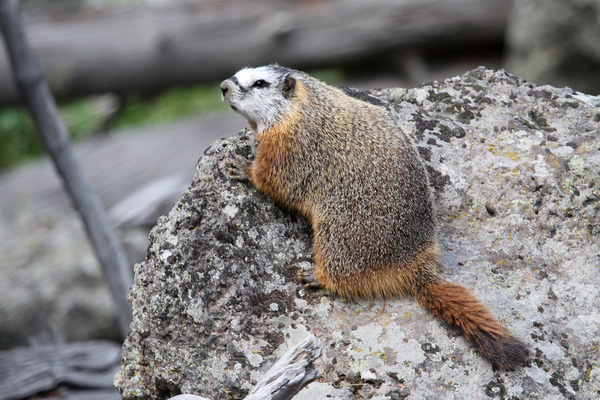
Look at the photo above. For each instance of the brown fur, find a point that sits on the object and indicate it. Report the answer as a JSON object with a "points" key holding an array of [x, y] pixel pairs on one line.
{"points": [[457, 306], [345, 165], [390, 281]]}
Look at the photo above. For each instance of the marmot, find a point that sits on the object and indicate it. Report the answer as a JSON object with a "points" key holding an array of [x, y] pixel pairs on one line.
{"points": [[344, 164]]}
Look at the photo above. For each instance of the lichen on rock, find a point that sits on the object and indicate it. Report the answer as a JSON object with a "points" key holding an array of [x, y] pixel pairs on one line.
{"points": [[516, 172]]}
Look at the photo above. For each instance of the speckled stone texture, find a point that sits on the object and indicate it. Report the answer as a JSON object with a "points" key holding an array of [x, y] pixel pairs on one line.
{"points": [[516, 171]]}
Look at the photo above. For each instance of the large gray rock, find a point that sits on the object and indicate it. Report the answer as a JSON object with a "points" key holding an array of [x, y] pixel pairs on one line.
{"points": [[556, 42], [516, 173]]}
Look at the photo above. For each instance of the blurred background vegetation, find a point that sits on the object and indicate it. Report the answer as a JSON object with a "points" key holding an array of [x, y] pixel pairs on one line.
{"points": [[19, 140]]}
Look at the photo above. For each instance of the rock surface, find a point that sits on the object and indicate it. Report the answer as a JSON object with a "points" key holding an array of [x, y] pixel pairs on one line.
{"points": [[516, 173]]}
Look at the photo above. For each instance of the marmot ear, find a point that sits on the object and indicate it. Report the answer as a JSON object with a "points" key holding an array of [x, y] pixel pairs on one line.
{"points": [[289, 84]]}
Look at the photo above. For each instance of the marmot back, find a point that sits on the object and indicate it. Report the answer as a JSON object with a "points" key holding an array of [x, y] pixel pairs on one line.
{"points": [[345, 165]]}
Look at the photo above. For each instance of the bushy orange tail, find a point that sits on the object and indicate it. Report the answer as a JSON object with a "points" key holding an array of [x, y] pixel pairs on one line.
{"points": [[456, 305]]}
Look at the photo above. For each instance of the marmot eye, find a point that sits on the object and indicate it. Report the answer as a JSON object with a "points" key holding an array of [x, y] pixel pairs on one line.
{"points": [[260, 84]]}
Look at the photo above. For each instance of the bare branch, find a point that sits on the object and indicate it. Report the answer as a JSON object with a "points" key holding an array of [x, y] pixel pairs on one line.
{"points": [[54, 134]]}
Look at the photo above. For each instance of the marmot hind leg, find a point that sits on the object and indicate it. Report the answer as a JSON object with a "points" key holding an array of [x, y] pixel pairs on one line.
{"points": [[315, 278]]}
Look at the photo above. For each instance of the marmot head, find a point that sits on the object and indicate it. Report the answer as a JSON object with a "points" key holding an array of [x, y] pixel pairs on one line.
{"points": [[262, 95]]}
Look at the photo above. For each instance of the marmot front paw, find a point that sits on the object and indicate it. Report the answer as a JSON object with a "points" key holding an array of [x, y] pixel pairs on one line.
{"points": [[238, 168]]}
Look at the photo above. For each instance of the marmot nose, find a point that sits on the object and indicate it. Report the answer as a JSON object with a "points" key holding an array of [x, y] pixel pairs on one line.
{"points": [[224, 87]]}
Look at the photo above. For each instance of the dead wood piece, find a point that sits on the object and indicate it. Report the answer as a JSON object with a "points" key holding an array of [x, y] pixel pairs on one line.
{"points": [[291, 373], [25, 371], [294, 370]]}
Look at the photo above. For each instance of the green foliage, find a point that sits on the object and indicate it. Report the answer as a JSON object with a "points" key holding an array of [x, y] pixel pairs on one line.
{"points": [[330, 76], [169, 105], [18, 140]]}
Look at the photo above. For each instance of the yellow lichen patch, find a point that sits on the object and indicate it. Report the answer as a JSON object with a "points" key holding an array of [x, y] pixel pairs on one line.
{"points": [[512, 155], [552, 160]]}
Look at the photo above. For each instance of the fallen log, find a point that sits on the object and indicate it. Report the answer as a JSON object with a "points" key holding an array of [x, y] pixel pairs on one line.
{"points": [[26, 371], [148, 48]]}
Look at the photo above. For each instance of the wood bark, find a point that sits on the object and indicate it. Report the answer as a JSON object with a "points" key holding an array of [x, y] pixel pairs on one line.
{"points": [[54, 135], [150, 48], [27, 371], [294, 370]]}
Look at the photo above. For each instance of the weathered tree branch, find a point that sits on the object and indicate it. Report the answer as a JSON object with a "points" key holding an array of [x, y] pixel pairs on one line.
{"points": [[54, 134], [293, 371], [27, 371]]}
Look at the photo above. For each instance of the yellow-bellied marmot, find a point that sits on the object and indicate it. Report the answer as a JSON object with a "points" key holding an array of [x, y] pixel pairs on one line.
{"points": [[346, 166]]}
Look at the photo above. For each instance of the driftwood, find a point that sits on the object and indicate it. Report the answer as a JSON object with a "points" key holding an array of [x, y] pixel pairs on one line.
{"points": [[27, 371], [293, 371], [55, 137], [150, 48]]}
